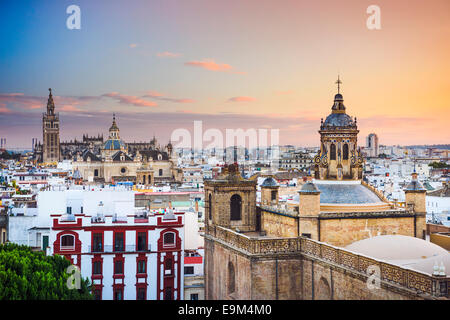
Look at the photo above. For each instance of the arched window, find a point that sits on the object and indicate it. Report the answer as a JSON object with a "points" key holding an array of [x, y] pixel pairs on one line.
{"points": [[345, 151], [143, 179], [231, 278], [96, 173], [209, 207], [235, 207], [67, 242], [333, 152], [169, 239]]}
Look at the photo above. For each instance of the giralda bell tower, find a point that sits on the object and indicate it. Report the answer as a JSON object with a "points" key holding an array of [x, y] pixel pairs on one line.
{"points": [[50, 127]]}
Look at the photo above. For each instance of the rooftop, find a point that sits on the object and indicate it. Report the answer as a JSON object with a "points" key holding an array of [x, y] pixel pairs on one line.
{"points": [[346, 193]]}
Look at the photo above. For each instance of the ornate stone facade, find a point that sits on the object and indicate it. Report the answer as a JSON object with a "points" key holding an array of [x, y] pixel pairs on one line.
{"points": [[338, 158]]}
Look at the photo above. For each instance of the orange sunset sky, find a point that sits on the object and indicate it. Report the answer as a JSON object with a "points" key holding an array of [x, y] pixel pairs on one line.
{"points": [[160, 65]]}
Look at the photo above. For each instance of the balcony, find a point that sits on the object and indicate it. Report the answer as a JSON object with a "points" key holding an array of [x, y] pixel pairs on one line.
{"points": [[111, 249]]}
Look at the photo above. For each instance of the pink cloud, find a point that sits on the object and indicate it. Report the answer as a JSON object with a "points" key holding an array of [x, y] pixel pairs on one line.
{"points": [[133, 45], [167, 54], [241, 99], [209, 64], [131, 100], [4, 109]]}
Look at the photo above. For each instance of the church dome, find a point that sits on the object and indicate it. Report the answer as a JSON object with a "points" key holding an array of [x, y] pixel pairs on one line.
{"points": [[338, 120], [114, 144], [269, 182]]}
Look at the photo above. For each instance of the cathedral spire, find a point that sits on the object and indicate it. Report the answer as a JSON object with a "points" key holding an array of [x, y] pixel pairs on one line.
{"points": [[50, 103]]}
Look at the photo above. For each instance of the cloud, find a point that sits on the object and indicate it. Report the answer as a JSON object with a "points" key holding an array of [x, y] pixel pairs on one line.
{"points": [[167, 54], [21, 100], [133, 45], [4, 109], [241, 99], [159, 96], [210, 64], [130, 100]]}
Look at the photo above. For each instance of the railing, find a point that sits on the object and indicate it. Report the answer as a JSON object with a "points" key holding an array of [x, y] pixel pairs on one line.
{"points": [[111, 248], [411, 279]]}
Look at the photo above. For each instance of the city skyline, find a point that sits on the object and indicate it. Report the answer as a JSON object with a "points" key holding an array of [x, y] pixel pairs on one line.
{"points": [[163, 65]]}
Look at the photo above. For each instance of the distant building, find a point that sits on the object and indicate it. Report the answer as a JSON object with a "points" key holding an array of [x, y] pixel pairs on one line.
{"points": [[50, 135], [372, 147]]}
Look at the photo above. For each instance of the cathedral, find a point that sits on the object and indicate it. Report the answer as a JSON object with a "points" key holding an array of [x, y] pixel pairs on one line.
{"points": [[113, 160], [323, 248]]}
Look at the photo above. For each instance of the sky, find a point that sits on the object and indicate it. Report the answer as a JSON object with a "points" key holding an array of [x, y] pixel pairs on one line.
{"points": [[160, 65]]}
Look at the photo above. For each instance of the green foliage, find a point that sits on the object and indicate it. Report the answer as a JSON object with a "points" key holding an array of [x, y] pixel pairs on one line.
{"points": [[438, 165], [28, 275]]}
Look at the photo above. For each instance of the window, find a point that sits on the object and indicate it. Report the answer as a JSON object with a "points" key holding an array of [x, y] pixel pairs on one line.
{"points": [[141, 294], [235, 207], [97, 242], [97, 267], [118, 242], [142, 241], [142, 266], [306, 235], [96, 173], [194, 296], [69, 210], [118, 294], [231, 278], [345, 151], [210, 206], [123, 170], [118, 267], [160, 172], [188, 270], [333, 152], [81, 210], [273, 195], [169, 239], [67, 242]]}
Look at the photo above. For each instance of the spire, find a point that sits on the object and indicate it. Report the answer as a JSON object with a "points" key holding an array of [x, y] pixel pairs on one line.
{"points": [[114, 127], [50, 103], [338, 105]]}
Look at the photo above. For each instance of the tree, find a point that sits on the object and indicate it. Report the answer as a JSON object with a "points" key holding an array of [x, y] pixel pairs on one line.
{"points": [[438, 165], [29, 275]]}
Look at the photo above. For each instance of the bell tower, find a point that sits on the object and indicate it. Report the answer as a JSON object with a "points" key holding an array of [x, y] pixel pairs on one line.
{"points": [[50, 135], [338, 158], [231, 201]]}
